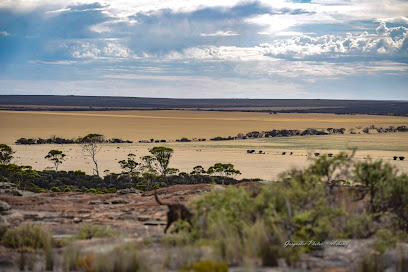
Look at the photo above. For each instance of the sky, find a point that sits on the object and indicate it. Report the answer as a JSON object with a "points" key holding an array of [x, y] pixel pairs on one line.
{"points": [[328, 49]]}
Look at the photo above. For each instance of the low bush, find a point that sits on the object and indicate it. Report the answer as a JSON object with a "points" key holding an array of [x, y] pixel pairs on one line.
{"points": [[56, 189], [95, 231], [27, 236]]}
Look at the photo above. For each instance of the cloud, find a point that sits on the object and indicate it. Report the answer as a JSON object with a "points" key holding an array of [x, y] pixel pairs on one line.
{"points": [[219, 34], [4, 33], [399, 19], [105, 50], [387, 43]]}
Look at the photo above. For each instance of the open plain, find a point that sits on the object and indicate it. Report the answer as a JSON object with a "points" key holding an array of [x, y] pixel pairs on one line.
{"points": [[172, 125]]}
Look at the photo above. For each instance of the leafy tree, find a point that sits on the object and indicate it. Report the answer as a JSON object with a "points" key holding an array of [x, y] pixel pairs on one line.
{"points": [[130, 166], [91, 146], [56, 157], [224, 170], [159, 161], [198, 170], [6, 154], [20, 175]]}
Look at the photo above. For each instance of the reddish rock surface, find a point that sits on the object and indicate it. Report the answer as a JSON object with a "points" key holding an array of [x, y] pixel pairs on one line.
{"points": [[63, 213]]}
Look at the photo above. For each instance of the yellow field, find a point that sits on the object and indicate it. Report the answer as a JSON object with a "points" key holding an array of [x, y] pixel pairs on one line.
{"points": [[266, 166], [170, 125]]}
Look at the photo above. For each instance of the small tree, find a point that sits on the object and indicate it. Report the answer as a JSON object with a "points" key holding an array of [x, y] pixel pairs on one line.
{"points": [[224, 170], [6, 154], [159, 161], [91, 146], [56, 157], [130, 166]]}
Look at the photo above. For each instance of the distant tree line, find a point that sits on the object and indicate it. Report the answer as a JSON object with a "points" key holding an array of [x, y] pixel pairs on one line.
{"points": [[249, 135], [59, 140], [306, 132], [289, 133]]}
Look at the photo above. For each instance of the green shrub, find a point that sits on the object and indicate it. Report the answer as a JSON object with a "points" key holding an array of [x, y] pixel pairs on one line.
{"points": [[95, 231], [67, 189], [91, 191], [112, 190], [30, 236], [385, 239], [388, 190], [56, 189]]}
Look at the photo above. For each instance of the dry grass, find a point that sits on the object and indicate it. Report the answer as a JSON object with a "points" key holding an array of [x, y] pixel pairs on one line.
{"points": [[170, 125]]}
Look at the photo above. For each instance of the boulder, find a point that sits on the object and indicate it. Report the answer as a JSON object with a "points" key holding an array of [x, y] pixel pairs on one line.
{"points": [[4, 207]]}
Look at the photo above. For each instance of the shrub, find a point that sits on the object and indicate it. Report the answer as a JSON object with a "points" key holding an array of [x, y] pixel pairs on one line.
{"points": [[31, 236], [388, 190], [56, 189], [95, 231], [91, 191], [302, 206]]}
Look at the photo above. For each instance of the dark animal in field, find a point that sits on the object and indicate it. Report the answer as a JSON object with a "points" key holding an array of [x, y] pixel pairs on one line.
{"points": [[395, 158], [176, 212], [401, 158], [283, 153], [317, 154], [330, 155]]}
